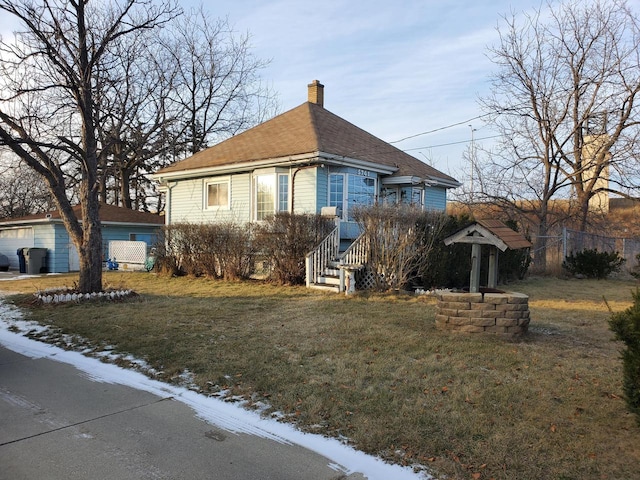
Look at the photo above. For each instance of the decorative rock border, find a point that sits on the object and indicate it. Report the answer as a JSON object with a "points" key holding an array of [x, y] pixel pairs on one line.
{"points": [[494, 313], [64, 295]]}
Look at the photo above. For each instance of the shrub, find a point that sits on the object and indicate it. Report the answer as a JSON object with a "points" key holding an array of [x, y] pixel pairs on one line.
{"points": [[626, 326], [219, 250], [447, 266], [450, 266], [635, 272], [400, 238], [284, 240], [513, 264], [593, 264]]}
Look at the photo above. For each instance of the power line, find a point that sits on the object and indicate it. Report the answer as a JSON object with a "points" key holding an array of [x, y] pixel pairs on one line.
{"points": [[441, 128], [451, 143]]}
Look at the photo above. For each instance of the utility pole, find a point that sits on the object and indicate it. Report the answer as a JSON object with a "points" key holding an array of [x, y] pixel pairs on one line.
{"points": [[473, 159]]}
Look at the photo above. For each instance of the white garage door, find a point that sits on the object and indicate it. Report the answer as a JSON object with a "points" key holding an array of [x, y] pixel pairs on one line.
{"points": [[11, 239]]}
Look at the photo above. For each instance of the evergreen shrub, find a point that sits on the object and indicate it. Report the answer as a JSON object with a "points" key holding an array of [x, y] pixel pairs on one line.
{"points": [[626, 326], [593, 264]]}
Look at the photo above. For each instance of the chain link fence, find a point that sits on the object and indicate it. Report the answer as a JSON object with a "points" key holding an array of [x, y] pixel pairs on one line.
{"points": [[558, 247]]}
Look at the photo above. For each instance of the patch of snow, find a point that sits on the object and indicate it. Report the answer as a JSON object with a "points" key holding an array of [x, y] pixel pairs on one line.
{"points": [[6, 276], [228, 416]]}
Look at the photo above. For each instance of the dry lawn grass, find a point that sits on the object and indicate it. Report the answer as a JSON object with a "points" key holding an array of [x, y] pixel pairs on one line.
{"points": [[374, 370]]}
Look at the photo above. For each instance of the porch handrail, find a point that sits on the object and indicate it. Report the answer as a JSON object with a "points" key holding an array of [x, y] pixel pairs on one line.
{"points": [[319, 257], [357, 253]]}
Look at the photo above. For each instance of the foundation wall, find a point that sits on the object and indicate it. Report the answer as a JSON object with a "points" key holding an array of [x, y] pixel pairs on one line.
{"points": [[492, 313]]}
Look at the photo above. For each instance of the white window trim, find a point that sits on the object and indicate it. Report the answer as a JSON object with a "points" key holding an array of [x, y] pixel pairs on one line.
{"points": [[217, 181], [277, 206], [276, 194]]}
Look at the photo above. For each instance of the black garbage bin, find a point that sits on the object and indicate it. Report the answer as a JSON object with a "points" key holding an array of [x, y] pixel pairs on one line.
{"points": [[36, 260], [21, 261], [4, 263]]}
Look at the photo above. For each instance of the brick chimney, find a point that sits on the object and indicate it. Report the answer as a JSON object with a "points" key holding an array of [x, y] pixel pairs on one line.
{"points": [[316, 93]]}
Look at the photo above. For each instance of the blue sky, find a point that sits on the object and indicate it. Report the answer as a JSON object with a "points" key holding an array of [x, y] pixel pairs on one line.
{"points": [[393, 68]]}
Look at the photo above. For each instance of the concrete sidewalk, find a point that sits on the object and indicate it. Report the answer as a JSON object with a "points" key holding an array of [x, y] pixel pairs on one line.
{"points": [[56, 423]]}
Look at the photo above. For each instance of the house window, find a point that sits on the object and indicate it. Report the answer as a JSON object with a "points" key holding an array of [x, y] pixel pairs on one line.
{"points": [[336, 192], [283, 193], [269, 199], [411, 196], [265, 196], [362, 192], [217, 194], [416, 197], [389, 196]]}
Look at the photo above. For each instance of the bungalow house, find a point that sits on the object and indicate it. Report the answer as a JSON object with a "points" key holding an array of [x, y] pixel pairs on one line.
{"points": [[46, 231], [300, 161]]}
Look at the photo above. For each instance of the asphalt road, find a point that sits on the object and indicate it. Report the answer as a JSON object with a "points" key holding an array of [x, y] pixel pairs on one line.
{"points": [[56, 423]]}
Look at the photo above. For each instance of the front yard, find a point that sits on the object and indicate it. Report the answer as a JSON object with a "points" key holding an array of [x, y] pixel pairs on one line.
{"points": [[373, 370]]}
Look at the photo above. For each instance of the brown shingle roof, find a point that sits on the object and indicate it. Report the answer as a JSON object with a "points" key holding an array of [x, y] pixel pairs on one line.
{"points": [[489, 232], [510, 237], [108, 213], [306, 129]]}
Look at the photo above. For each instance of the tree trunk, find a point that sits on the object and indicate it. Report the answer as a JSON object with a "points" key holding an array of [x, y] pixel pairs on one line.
{"points": [[90, 246], [125, 187]]}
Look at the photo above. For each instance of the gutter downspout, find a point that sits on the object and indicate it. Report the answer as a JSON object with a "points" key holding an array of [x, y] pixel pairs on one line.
{"points": [[167, 216]]}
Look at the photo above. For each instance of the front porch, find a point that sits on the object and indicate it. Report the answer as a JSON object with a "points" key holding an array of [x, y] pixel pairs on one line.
{"points": [[333, 264]]}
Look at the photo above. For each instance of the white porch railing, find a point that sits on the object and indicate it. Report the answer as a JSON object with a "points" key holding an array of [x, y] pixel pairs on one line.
{"points": [[357, 253], [318, 259]]}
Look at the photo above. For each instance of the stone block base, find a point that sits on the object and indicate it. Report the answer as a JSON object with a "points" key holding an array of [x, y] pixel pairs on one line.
{"points": [[492, 313]]}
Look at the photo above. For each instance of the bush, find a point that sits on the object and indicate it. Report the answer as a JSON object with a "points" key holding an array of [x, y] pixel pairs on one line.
{"points": [[513, 264], [400, 238], [219, 250], [447, 266], [626, 326], [635, 272], [285, 239], [450, 266], [593, 264]]}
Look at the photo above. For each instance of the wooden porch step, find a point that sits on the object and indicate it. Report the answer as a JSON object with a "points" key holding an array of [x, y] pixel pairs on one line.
{"points": [[325, 286], [328, 280]]}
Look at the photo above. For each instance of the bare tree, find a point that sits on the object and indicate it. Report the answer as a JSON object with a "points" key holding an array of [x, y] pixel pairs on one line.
{"points": [[564, 100], [167, 93], [217, 88], [133, 84], [48, 105], [22, 191]]}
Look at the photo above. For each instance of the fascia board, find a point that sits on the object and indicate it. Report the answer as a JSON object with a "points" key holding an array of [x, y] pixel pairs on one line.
{"points": [[235, 168], [441, 182], [356, 163]]}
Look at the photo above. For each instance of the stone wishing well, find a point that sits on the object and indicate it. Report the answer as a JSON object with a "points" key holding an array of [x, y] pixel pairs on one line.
{"points": [[498, 313], [485, 310]]}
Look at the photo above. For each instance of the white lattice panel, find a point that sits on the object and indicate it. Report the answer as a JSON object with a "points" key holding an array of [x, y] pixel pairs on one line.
{"points": [[123, 251]]}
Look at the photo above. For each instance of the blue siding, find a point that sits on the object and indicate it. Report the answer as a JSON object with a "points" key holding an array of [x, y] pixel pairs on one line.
{"points": [[188, 201], [47, 236], [304, 191], [435, 198]]}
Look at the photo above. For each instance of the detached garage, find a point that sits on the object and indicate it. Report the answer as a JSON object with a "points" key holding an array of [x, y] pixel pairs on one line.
{"points": [[47, 231]]}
